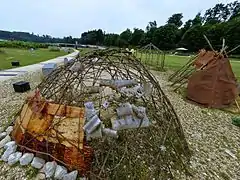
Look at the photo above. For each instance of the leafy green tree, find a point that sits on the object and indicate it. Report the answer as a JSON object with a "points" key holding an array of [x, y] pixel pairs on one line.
{"points": [[150, 29], [193, 38], [125, 38], [219, 13], [111, 40], [137, 37], [232, 33], [94, 37], [176, 19], [234, 9], [165, 36], [68, 39], [184, 29], [197, 20], [151, 25], [100, 37]]}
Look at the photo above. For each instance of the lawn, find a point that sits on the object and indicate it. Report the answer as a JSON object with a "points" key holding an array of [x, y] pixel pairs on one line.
{"points": [[25, 56], [174, 62], [84, 50]]}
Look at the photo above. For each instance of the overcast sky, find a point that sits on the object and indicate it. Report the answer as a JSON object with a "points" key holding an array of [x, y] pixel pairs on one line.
{"points": [[60, 18]]}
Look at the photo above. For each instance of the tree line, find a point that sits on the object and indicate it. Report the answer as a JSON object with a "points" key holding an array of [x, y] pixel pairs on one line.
{"points": [[23, 44], [31, 37], [221, 21]]}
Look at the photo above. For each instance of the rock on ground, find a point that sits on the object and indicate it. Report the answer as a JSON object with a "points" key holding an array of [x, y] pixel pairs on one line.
{"points": [[26, 159]]}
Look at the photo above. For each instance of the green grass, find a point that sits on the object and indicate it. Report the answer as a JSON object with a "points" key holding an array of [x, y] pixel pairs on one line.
{"points": [[84, 50], [25, 56], [236, 68], [173, 62]]}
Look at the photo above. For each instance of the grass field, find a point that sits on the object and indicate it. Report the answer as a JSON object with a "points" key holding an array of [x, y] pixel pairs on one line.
{"points": [[173, 62], [25, 57]]}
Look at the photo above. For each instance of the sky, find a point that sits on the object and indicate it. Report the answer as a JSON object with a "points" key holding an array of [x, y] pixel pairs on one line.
{"points": [[60, 18]]}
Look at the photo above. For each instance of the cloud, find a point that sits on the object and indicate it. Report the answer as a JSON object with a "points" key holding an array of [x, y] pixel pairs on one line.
{"points": [[72, 17]]}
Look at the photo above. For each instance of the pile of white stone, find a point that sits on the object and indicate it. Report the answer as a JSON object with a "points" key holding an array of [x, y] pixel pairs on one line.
{"points": [[12, 156]]}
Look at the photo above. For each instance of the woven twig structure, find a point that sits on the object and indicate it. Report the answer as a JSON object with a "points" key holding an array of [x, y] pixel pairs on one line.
{"points": [[153, 56], [157, 150]]}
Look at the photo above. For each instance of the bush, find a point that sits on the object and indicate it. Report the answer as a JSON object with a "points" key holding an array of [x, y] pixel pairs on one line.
{"points": [[54, 48], [22, 44], [236, 57], [2, 51]]}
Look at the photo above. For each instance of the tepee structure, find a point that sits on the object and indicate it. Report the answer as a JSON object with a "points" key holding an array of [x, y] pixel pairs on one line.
{"points": [[152, 55], [209, 77], [215, 84]]}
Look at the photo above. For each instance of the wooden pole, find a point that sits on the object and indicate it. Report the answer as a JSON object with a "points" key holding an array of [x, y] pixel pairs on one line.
{"points": [[208, 42], [187, 65], [233, 49], [237, 105], [223, 46], [157, 60]]}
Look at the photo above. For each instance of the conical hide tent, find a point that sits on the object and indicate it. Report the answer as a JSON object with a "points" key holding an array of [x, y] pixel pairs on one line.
{"points": [[203, 58], [214, 84]]}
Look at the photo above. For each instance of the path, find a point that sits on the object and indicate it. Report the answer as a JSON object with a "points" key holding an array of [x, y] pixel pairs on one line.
{"points": [[9, 73]]}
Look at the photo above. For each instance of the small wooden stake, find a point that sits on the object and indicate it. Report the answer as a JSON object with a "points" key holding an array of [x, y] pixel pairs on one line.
{"points": [[208, 42], [237, 105], [233, 49]]}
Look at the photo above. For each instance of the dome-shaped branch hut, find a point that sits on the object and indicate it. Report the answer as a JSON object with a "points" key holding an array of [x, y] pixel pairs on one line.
{"points": [[105, 115]]}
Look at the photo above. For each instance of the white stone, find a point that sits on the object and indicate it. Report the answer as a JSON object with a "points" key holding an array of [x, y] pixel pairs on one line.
{"points": [[8, 152], [3, 135], [77, 66], [71, 176], [26, 159], [40, 176], [9, 129], [11, 143], [65, 61], [83, 178], [49, 169], [37, 162], [60, 172], [13, 158], [4, 141]]}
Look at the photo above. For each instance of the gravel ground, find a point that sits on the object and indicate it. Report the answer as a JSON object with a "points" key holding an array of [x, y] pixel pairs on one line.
{"points": [[10, 103], [214, 141]]}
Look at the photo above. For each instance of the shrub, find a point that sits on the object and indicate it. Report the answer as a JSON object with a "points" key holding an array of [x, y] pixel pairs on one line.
{"points": [[2, 51], [54, 48], [22, 44]]}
